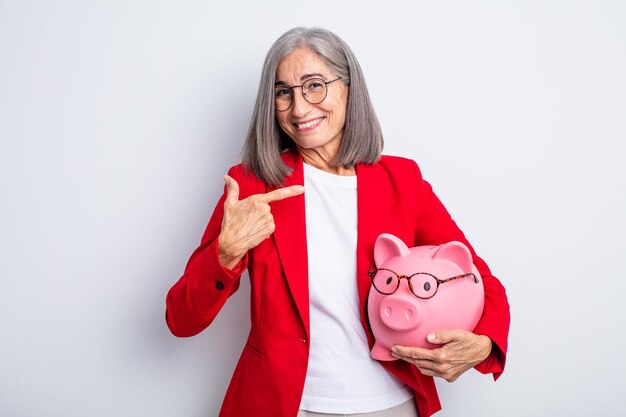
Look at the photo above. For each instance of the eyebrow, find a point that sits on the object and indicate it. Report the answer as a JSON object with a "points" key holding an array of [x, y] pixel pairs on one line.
{"points": [[304, 77]]}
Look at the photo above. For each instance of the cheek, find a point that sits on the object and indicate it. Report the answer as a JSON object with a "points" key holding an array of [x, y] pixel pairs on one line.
{"points": [[282, 122], [339, 110], [339, 115]]}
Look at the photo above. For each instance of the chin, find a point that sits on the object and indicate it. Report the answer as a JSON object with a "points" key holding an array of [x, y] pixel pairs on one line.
{"points": [[317, 140], [310, 142]]}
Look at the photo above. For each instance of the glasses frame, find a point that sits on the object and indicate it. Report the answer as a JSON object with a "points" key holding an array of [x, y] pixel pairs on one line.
{"points": [[301, 86], [373, 271]]}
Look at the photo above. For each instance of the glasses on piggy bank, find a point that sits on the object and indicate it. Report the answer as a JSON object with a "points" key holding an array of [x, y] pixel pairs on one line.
{"points": [[422, 284]]}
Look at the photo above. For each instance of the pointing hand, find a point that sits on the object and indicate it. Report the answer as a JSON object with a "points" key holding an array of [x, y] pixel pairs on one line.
{"points": [[247, 222]]}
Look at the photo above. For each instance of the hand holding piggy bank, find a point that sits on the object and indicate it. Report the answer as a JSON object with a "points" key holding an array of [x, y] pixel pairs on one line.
{"points": [[417, 291]]}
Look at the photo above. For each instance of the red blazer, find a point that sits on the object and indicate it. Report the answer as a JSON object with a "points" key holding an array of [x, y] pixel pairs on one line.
{"points": [[269, 378]]}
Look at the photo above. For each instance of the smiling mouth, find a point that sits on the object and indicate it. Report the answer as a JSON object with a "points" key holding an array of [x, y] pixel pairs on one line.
{"points": [[309, 125]]}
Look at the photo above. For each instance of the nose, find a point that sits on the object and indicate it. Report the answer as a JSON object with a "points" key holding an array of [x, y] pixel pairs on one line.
{"points": [[400, 313], [299, 107]]}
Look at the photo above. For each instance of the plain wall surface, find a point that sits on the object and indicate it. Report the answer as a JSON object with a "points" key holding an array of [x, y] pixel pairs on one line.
{"points": [[118, 120]]}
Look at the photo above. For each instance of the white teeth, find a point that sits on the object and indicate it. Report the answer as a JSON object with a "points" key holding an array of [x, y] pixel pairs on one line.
{"points": [[308, 124]]}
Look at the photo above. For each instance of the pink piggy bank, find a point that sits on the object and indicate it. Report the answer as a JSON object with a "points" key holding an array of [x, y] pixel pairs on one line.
{"points": [[417, 291]]}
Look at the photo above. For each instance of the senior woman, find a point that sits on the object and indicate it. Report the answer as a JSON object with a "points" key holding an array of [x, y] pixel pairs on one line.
{"points": [[302, 213]]}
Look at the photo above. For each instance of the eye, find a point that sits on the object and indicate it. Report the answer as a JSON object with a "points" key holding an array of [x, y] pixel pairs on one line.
{"points": [[314, 85], [282, 92], [389, 280], [427, 286]]}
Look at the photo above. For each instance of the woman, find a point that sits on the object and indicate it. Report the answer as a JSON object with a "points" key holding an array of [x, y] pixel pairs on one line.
{"points": [[308, 249]]}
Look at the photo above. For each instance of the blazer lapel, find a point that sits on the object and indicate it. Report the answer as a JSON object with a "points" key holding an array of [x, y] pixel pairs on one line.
{"points": [[290, 238], [371, 180]]}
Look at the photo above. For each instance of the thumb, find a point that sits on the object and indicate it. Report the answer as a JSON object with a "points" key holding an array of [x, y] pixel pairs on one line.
{"points": [[232, 190], [440, 337]]}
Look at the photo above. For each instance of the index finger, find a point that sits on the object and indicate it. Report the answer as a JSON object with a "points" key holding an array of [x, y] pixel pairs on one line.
{"points": [[282, 193]]}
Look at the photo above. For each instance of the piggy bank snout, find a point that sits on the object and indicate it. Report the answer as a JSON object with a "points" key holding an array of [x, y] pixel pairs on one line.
{"points": [[400, 313]]}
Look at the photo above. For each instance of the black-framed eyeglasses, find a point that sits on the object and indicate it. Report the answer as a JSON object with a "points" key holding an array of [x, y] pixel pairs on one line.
{"points": [[314, 90], [422, 284]]}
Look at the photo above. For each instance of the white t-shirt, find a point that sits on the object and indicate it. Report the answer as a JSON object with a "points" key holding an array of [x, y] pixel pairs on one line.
{"points": [[341, 376]]}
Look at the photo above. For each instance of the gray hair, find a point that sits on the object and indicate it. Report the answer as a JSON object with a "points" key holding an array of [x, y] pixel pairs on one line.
{"points": [[362, 137]]}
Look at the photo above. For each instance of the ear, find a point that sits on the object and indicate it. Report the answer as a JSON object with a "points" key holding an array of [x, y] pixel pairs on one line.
{"points": [[387, 246], [457, 253]]}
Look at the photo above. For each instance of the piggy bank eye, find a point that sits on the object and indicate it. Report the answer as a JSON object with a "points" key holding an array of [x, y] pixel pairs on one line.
{"points": [[424, 285], [385, 282]]}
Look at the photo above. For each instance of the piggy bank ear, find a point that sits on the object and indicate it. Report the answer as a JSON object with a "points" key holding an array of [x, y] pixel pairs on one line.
{"points": [[457, 253], [388, 246]]}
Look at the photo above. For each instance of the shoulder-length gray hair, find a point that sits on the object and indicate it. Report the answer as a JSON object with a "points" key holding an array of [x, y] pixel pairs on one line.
{"points": [[362, 137]]}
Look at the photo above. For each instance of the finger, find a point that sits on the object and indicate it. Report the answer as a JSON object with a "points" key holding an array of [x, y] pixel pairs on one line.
{"points": [[431, 368], [444, 336], [427, 372], [410, 352], [282, 193], [424, 364], [427, 368], [232, 190], [436, 337]]}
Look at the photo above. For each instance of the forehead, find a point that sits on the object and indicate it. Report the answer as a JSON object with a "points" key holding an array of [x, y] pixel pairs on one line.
{"points": [[301, 64]]}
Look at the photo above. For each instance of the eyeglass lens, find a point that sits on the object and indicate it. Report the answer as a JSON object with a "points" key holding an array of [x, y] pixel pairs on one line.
{"points": [[313, 91], [422, 285]]}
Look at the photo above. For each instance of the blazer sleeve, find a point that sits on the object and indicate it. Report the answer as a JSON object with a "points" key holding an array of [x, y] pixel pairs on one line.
{"points": [[435, 226], [194, 301]]}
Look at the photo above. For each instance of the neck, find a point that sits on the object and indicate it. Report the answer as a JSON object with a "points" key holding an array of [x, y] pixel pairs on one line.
{"points": [[322, 162]]}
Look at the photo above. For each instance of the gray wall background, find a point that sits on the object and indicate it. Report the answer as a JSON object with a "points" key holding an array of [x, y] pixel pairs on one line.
{"points": [[119, 118]]}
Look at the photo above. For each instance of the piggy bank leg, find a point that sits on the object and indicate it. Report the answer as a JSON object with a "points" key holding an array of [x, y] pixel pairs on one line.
{"points": [[382, 353]]}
